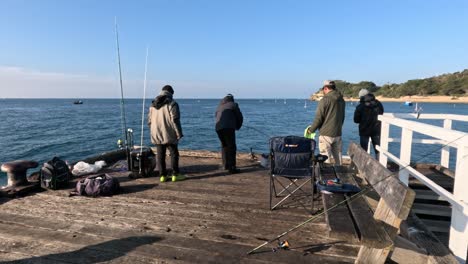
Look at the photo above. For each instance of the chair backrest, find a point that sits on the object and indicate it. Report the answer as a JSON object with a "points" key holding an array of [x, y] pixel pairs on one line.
{"points": [[291, 156]]}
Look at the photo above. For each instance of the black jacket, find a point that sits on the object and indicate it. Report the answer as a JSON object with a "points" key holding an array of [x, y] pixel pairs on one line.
{"points": [[366, 115], [228, 115]]}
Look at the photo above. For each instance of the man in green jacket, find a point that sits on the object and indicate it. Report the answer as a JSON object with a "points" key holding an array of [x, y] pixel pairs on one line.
{"points": [[329, 118]]}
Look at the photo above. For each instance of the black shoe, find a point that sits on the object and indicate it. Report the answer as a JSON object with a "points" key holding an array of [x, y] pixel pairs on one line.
{"points": [[234, 171]]}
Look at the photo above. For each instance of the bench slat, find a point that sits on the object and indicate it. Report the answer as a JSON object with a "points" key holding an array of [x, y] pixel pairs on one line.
{"points": [[339, 221], [372, 233], [396, 195], [394, 205]]}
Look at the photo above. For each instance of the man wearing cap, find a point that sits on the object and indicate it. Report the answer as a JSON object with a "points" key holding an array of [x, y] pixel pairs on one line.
{"points": [[166, 131], [329, 119], [366, 115], [228, 119]]}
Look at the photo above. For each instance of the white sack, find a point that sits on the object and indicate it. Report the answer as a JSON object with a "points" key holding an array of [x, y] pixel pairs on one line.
{"points": [[82, 168]]}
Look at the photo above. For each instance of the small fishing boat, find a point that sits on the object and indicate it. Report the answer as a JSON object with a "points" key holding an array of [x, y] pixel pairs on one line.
{"points": [[78, 102], [408, 103]]}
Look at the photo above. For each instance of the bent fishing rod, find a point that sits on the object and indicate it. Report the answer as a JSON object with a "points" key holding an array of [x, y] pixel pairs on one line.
{"points": [[364, 191]]}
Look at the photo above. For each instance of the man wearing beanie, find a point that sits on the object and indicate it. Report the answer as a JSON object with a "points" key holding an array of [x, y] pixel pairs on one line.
{"points": [[329, 119], [166, 131], [365, 115], [228, 119]]}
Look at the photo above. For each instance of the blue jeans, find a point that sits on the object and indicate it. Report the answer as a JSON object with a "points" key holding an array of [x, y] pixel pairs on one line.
{"points": [[364, 140]]}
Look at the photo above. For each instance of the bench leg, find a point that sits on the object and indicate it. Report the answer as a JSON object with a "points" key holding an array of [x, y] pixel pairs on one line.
{"points": [[372, 255]]}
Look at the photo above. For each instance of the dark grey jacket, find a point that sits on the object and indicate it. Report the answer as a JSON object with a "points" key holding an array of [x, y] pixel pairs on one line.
{"points": [[228, 115], [366, 115], [164, 120], [330, 115]]}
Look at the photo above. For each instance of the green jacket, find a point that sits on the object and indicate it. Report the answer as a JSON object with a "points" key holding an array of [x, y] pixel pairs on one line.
{"points": [[330, 115]]}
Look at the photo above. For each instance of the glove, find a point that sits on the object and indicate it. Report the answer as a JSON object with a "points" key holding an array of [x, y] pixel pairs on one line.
{"points": [[308, 133]]}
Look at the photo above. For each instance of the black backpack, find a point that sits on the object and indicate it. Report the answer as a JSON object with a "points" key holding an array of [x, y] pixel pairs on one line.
{"points": [[55, 174], [99, 185]]}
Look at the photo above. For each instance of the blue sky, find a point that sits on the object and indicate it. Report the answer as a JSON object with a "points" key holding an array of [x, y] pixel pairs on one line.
{"points": [[206, 49]]}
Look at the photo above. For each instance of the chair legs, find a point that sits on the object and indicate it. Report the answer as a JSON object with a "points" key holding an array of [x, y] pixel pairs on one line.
{"points": [[296, 187]]}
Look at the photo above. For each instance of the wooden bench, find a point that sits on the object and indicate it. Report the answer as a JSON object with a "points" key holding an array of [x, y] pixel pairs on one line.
{"points": [[377, 230]]}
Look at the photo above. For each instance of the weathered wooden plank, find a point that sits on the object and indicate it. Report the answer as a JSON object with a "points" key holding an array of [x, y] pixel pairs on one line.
{"points": [[371, 232], [372, 255], [407, 252], [432, 209], [421, 236], [428, 195], [396, 195], [437, 167], [241, 234], [394, 205], [437, 225], [339, 221], [81, 247]]}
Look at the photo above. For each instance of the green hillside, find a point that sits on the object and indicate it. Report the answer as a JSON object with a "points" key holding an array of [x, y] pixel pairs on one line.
{"points": [[451, 84]]}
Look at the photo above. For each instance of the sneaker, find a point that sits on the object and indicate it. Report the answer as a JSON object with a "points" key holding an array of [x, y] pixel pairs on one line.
{"points": [[178, 177], [163, 178]]}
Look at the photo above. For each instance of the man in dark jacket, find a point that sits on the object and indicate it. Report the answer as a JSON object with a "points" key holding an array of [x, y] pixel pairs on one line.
{"points": [[366, 116], [228, 119], [166, 131], [329, 119]]}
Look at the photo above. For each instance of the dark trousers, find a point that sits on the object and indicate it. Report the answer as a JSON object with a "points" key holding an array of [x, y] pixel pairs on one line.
{"points": [[161, 156], [228, 146], [364, 140]]}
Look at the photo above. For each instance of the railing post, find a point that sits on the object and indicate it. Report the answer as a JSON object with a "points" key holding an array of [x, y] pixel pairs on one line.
{"points": [[458, 242], [445, 154], [405, 153], [384, 135]]}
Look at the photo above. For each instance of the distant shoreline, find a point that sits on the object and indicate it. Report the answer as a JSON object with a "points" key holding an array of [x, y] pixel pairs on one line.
{"points": [[420, 99]]}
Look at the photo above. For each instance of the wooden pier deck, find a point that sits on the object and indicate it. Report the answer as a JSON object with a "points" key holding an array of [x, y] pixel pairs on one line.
{"points": [[209, 218]]}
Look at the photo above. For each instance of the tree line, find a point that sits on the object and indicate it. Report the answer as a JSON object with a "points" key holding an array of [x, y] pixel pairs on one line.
{"points": [[451, 84]]}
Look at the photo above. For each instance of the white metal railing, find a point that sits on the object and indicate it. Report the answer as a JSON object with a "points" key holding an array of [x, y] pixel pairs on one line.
{"points": [[446, 137], [448, 118]]}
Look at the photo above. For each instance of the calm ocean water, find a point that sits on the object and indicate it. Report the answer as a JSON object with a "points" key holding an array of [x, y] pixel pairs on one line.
{"points": [[39, 129]]}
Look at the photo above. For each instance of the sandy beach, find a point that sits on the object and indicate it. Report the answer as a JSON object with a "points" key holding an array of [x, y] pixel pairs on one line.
{"points": [[421, 99]]}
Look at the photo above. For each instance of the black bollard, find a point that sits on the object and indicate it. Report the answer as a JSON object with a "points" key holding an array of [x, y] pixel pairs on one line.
{"points": [[16, 171]]}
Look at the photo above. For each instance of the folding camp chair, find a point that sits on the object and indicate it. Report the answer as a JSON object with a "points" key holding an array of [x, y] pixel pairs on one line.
{"points": [[291, 158]]}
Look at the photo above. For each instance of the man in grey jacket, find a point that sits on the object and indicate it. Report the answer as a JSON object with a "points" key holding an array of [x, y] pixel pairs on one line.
{"points": [[228, 119], [166, 131], [329, 119]]}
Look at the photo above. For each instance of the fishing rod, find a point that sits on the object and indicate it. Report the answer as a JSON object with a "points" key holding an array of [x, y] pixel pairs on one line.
{"points": [[143, 109], [257, 130], [364, 191], [122, 102]]}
